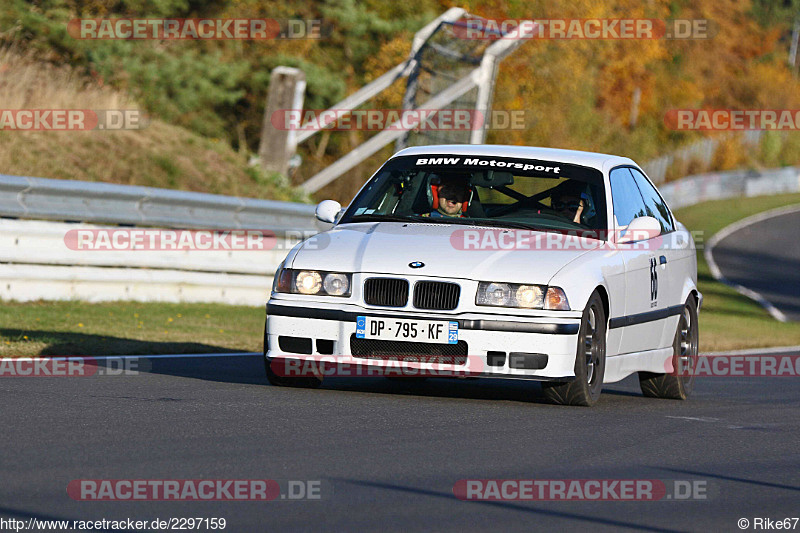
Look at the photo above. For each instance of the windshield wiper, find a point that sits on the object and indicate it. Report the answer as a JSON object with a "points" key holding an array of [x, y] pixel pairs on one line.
{"points": [[450, 220], [501, 224], [581, 232], [385, 218]]}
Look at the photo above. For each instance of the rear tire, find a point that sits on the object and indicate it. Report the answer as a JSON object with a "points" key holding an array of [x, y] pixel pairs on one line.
{"points": [[685, 348], [276, 380], [590, 361]]}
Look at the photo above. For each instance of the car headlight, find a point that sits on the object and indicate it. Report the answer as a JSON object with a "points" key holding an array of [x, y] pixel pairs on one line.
{"points": [[521, 295], [308, 282], [312, 282], [529, 296], [494, 294], [336, 284]]}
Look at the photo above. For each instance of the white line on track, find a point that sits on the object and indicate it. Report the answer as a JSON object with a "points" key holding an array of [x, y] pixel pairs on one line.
{"points": [[748, 351], [159, 356], [754, 351], [757, 351], [728, 230], [695, 418]]}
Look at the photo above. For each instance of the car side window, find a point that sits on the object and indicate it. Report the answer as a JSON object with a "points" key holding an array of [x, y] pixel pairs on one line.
{"points": [[628, 203], [653, 203]]}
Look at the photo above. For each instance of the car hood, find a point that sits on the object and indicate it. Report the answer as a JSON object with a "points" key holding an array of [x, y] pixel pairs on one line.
{"points": [[390, 247]]}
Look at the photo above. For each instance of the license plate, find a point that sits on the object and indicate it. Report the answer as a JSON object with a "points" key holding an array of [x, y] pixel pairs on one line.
{"points": [[404, 329]]}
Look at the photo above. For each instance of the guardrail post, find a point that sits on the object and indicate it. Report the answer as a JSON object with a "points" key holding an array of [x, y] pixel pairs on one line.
{"points": [[287, 88]]}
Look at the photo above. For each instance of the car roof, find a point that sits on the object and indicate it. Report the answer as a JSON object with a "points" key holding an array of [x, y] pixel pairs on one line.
{"points": [[599, 161]]}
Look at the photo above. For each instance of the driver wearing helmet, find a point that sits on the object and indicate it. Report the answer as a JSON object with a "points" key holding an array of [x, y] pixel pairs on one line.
{"points": [[450, 199]]}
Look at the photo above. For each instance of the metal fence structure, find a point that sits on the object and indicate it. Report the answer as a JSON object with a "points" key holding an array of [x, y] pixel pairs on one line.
{"points": [[479, 78]]}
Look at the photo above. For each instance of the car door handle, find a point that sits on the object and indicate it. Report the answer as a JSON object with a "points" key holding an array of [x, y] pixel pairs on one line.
{"points": [[663, 260]]}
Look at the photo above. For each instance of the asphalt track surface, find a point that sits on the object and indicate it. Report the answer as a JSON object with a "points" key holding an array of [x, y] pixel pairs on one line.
{"points": [[765, 257], [390, 452]]}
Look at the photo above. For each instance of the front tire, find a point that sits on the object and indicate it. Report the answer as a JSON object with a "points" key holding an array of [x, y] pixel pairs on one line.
{"points": [[685, 348], [590, 360]]}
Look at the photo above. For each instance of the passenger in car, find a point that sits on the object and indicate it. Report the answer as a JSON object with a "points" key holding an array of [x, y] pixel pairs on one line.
{"points": [[568, 200]]}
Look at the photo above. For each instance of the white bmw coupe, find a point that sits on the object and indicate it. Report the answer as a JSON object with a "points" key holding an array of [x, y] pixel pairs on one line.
{"points": [[559, 266]]}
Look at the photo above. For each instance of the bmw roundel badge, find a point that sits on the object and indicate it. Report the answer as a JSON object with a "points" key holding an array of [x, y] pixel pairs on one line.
{"points": [[416, 264]]}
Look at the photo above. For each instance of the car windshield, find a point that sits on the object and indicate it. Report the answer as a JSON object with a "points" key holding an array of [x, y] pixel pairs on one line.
{"points": [[483, 191]]}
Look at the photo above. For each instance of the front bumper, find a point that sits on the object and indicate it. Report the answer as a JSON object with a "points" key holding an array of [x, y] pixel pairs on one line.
{"points": [[547, 341]]}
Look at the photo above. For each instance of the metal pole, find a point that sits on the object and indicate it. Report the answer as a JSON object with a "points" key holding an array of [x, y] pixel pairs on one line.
{"points": [[409, 98], [287, 88], [793, 50], [483, 103], [634, 116]]}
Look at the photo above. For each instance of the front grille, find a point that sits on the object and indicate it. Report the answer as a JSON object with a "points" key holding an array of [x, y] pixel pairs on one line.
{"points": [[438, 295], [386, 292], [422, 352]]}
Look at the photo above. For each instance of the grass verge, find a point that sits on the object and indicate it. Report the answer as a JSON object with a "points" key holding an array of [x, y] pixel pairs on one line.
{"points": [[157, 155], [728, 320], [127, 328]]}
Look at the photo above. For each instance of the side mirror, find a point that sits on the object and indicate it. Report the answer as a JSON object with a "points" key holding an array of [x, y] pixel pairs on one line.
{"points": [[327, 211], [640, 229]]}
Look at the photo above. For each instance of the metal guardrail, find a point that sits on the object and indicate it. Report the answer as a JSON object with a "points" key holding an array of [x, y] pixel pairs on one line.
{"points": [[69, 200], [39, 242], [35, 262], [736, 183], [79, 201]]}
